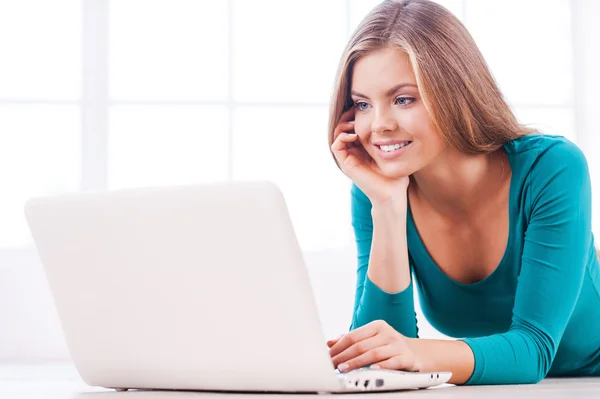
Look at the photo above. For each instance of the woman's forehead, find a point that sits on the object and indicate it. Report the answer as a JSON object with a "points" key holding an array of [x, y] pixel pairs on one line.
{"points": [[380, 70]]}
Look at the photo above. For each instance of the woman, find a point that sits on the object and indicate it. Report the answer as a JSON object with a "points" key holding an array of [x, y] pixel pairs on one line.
{"points": [[491, 219]]}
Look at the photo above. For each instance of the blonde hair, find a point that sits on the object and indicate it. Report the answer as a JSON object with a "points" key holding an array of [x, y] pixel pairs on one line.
{"points": [[456, 85]]}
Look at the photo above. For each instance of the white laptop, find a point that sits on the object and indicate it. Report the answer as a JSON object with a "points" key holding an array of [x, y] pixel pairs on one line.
{"points": [[190, 288]]}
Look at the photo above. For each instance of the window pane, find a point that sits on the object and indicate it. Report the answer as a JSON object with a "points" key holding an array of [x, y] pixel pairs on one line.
{"points": [[168, 49], [289, 147], [527, 45], [286, 51], [40, 151], [555, 121], [40, 43], [159, 145]]}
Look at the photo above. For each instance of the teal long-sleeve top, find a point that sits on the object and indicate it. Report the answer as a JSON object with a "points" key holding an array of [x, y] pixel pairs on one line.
{"points": [[538, 313]]}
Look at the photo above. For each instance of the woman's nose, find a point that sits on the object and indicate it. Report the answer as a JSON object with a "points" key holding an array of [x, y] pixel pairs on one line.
{"points": [[383, 121]]}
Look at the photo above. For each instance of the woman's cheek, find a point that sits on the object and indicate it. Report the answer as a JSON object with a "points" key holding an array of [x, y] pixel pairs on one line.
{"points": [[361, 127]]}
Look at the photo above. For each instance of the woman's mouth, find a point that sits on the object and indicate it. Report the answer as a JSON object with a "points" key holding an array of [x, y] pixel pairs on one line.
{"points": [[392, 151]]}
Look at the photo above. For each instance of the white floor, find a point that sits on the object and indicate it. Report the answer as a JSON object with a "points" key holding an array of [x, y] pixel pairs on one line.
{"points": [[54, 381]]}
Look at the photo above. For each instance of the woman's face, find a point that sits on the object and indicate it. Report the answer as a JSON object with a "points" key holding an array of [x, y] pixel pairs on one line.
{"points": [[391, 121]]}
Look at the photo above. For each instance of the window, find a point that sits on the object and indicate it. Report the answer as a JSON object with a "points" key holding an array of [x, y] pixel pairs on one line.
{"points": [[40, 121]]}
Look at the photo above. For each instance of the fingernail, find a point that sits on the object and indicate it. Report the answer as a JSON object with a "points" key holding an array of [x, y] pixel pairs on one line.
{"points": [[343, 367], [351, 122], [375, 367]]}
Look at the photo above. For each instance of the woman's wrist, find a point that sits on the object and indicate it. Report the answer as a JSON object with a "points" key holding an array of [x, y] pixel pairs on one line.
{"points": [[393, 207], [443, 355], [413, 345]]}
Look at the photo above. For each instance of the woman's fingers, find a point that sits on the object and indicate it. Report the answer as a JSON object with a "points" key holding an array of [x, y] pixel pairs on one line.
{"points": [[342, 140], [404, 362], [353, 337], [341, 146], [376, 355], [343, 127], [358, 349], [332, 342], [347, 115]]}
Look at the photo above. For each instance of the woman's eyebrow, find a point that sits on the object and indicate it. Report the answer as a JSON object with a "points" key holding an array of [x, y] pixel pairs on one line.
{"points": [[387, 93]]}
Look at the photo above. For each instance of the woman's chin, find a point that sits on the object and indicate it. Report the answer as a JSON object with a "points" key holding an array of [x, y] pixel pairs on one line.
{"points": [[394, 171]]}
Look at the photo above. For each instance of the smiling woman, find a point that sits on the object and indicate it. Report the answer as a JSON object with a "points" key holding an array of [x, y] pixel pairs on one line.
{"points": [[440, 67], [490, 218]]}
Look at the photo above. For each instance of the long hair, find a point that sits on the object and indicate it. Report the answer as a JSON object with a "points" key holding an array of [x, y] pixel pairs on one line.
{"points": [[457, 87]]}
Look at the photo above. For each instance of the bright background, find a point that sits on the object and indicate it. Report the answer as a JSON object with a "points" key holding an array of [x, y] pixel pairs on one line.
{"points": [[108, 94]]}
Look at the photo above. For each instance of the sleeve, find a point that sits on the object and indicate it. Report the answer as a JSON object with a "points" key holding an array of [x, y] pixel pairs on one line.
{"points": [[371, 303], [555, 252]]}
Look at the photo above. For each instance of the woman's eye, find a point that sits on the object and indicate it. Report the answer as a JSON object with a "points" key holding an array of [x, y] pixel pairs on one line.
{"points": [[404, 100], [361, 105]]}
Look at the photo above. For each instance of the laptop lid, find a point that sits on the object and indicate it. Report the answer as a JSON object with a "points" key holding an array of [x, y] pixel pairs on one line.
{"points": [[195, 287]]}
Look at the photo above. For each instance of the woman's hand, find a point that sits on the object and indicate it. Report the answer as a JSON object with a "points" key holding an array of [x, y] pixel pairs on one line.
{"points": [[376, 344], [360, 167]]}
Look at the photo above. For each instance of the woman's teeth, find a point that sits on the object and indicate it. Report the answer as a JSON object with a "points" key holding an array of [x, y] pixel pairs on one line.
{"points": [[390, 148]]}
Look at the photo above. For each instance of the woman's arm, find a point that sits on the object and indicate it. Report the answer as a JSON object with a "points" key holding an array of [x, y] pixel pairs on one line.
{"points": [[555, 256], [556, 251], [388, 265], [384, 288], [442, 355]]}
